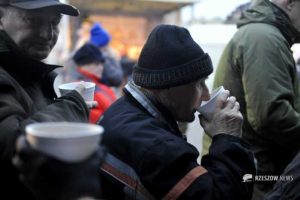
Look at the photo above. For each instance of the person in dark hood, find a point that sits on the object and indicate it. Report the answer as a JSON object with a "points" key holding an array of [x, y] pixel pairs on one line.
{"points": [[28, 32], [142, 132], [258, 67]]}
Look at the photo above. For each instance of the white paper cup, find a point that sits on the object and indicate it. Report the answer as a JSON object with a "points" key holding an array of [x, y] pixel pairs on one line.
{"points": [[66, 141], [208, 108], [88, 93]]}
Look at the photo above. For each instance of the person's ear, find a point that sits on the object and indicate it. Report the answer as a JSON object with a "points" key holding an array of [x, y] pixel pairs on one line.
{"points": [[289, 4], [2, 18], [169, 94]]}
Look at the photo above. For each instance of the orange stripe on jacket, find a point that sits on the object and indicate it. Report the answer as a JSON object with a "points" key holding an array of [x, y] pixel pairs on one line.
{"points": [[184, 183]]}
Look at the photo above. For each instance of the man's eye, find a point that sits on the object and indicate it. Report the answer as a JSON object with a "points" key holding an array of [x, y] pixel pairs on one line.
{"points": [[32, 20]]}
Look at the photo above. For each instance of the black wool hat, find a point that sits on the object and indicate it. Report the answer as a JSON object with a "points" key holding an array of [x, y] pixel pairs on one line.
{"points": [[170, 58], [88, 54]]}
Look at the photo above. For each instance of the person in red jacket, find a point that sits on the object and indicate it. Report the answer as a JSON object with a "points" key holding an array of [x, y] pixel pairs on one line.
{"points": [[89, 61]]}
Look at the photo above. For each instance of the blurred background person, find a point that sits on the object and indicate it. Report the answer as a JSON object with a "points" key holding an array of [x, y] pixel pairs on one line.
{"points": [[90, 66], [112, 74]]}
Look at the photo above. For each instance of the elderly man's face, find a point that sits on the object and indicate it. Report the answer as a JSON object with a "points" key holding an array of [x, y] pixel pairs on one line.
{"points": [[185, 99], [35, 32]]}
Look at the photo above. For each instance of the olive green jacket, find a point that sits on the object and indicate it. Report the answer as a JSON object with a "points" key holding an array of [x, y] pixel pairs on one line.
{"points": [[257, 66]]}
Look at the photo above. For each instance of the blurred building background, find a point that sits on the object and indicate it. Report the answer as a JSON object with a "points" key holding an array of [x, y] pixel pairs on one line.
{"points": [[130, 21], [211, 23]]}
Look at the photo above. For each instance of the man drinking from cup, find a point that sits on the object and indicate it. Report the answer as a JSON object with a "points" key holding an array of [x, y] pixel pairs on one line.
{"points": [[141, 128]]}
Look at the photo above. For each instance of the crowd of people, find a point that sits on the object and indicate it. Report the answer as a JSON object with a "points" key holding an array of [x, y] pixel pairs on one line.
{"points": [[143, 153]]}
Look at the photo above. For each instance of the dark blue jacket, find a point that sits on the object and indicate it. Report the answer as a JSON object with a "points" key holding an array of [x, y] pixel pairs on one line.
{"points": [[287, 186], [154, 147]]}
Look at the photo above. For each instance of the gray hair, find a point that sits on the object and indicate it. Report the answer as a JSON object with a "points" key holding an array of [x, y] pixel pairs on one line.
{"points": [[158, 95]]}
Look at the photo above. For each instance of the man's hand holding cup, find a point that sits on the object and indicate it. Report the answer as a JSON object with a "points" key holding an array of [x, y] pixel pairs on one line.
{"points": [[221, 115]]}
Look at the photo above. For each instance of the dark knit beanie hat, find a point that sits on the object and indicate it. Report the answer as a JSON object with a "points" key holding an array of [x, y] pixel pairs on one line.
{"points": [[88, 54], [170, 58]]}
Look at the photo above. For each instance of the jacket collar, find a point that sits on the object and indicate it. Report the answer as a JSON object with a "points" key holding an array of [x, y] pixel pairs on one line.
{"points": [[155, 109]]}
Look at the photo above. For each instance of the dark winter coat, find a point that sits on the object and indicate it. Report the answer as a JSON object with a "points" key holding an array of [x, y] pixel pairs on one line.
{"points": [[147, 138], [27, 96], [287, 187]]}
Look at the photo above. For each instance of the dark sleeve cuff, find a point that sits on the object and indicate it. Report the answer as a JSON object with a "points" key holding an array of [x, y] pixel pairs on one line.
{"points": [[220, 138], [76, 97]]}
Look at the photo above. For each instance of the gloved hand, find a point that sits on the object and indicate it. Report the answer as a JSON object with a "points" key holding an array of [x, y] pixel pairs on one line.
{"points": [[227, 118], [50, 179]]}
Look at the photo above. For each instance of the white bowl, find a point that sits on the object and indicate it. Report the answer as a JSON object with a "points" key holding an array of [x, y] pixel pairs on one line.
{"points": [[88, 93], [66, 141]]}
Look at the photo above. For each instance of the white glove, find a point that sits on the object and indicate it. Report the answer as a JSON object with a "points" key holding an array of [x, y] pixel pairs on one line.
{"points": [[227, 118]]}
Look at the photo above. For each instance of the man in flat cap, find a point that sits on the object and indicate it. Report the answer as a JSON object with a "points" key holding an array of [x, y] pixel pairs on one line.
{"points": [[28, 32]]}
